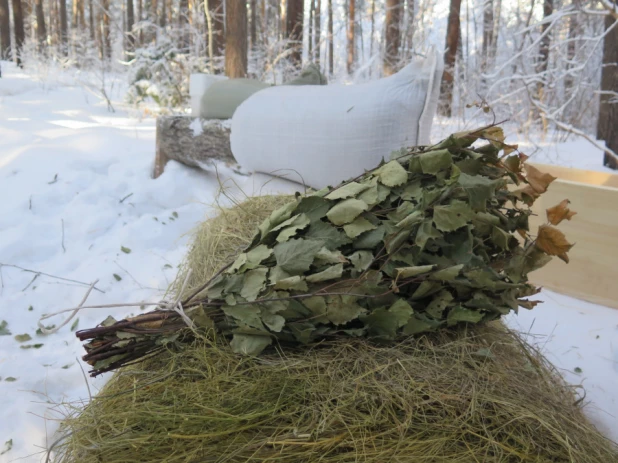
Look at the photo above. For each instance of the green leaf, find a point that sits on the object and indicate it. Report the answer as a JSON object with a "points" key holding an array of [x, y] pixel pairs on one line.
{"points": [[392, 174], [343, 309], [346, 211], [295, 283], [360, 225], [480, 189], [274, 322], [461, 314], [23, 337], [30, 308], [249, 344], [412, 191], [438, 303], [10, 379], [452, 217], [302, 331], [254, 283], [125, 250], [426, 288], [317, 306], [371, 194], [447, 274], [4, 331], [420, 323], [435, 161], [109, 321], [401, 312], [75, 324], [501, 238], [313, 207], [425, 232], [408, 272], [300, 222], [349, 190], [117, 277], [296, 255], [324, 256], [8, 445], [249, 315], [578, 370], [380, 323], [370, 239], [331, 273], [327, 234], [32, 346], [412, 219], [251, 259], [361, 260], [39, 332], [276, 274]]}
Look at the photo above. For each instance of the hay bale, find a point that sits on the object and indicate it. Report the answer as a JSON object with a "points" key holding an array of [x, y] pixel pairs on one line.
{"points": [[465, 395]]}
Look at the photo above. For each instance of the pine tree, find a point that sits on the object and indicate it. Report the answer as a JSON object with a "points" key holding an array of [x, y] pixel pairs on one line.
{"points": [[235, 38], [18, 27], [294, 29], [452, 43], [392, 21], [5, 29]]}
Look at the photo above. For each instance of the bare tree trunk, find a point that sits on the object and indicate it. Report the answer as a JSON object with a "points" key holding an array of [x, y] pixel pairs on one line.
{"points": [[235, 38], [497, 15], [294, 29], [351, 40], [409, 29], [163, 15], [548, 9], [488, 33], [571, 37], [607, 125], [452, 42], [318, 31], [64, 27], [18, 25], [183, 23], [253, 4], [91, 19], [130, 23], [5, 30], [41, 30], [140, 7], [331, 59], [218, 35], [107, 43], [392, 36], [79, 14], [310, 41]]}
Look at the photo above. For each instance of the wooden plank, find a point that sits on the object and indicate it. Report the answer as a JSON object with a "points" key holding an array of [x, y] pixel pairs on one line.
{"points": [[592, 273], [589, 177]]}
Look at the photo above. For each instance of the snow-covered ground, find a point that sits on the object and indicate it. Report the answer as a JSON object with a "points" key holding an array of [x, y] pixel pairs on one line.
{"points": [[75, 190]]}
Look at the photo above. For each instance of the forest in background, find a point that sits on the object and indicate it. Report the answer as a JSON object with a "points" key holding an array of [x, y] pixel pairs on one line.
{"points": [[549, 66]]}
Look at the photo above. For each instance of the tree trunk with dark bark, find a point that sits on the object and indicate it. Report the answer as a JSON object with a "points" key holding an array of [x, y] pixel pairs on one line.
{"points": [[183, 23], [218, 26], [548, 9], [351, 38], [235, 38], [488, 33], [163, 15], [392, 36], [607, 125], [294, 29], [5, 30], [452, 43], [130, 23], [91, 20], [105, 29], [18, 25], [41, 30], [310, 41], [64, 27]]}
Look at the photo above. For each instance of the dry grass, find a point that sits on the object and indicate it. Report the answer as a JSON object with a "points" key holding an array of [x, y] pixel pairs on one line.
{"points": [[472, 395]]}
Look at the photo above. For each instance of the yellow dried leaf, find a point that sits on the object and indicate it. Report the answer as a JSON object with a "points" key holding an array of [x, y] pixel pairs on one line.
{"points": [[508, 149], [552, 241], [494, 135], [538, 180], [527, 194], [559, 212]]}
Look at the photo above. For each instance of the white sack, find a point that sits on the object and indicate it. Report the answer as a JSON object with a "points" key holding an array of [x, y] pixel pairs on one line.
{"points": [[322, 135], [198, 84]]}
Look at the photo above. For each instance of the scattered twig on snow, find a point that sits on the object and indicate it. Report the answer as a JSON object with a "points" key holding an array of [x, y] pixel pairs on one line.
{"points": [[69, 318], [54, 180], [30, 203], [46, 275], [63, 248], [126, 197]]}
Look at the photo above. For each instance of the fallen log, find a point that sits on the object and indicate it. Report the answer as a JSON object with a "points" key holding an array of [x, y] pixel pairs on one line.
{"points": [[191, 141]]}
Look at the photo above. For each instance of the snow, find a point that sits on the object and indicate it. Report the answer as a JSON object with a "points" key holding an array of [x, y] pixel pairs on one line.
{"points": [[76, 187]]}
